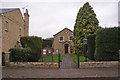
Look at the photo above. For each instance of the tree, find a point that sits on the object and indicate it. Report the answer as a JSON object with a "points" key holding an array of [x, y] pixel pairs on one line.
{"points": [[86, 23]]}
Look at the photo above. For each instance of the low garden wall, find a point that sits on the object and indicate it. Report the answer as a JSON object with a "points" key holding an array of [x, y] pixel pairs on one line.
{"points": [[34, 64], [98, 64]]}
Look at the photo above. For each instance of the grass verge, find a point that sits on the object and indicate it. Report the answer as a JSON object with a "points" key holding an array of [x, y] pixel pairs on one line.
{"points": [[81, 58], [55, 58]]}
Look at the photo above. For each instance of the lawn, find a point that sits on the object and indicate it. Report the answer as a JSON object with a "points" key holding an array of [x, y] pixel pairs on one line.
{"points": [[55, 58], [81, 58]]}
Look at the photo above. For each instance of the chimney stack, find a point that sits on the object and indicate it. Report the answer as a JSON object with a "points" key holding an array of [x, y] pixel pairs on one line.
{"points": [[26, 23]]}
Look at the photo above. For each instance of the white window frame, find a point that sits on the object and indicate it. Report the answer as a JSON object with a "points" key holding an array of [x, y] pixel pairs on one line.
{"points": [[44, 51], [69, 38], [61, 40], [6, 26], [49, 51]]}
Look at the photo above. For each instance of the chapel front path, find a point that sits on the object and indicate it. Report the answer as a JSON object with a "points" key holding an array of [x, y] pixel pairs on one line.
{"points": [[68, 62]]}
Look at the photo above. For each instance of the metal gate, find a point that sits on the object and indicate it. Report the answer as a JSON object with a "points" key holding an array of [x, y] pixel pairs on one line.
{"points": [[3, 59]]}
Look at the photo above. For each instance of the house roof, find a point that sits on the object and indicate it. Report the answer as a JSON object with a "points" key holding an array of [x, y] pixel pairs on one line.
{"points": [[62, 30], [5, 10]]}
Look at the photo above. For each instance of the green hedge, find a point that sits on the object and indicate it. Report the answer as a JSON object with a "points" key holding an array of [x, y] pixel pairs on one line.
{"points": [[119, 37], [91, 46], [107, 44], [35, 43], [20, 54]]}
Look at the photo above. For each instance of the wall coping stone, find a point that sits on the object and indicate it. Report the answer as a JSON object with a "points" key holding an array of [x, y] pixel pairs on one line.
{"points": [[100, 64], [34, 64]]}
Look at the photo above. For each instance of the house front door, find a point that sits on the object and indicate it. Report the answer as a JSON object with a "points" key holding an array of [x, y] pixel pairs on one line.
{"points": [[66, 48]]}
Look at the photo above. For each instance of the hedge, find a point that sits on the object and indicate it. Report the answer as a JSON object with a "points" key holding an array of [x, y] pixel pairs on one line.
{"points": [[107, 44], [20, 54], [91, 46], [35, 43]]}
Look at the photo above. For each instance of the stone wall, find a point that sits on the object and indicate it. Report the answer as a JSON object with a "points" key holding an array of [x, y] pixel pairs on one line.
{"points": [[98, 64], [15, 29], [34, 64]]}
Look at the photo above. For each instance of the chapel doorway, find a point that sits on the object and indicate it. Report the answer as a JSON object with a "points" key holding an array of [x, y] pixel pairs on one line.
{"points": [[66, 48]]}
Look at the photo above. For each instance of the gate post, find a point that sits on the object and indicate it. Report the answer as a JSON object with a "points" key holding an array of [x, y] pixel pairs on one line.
{"points": [[119, 55], [7, 59], [3, 59], [59, 59], [78, 60]]}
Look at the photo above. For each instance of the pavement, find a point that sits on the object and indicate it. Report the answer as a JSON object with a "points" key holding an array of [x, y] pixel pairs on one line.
{"points": [[68, 62], [8, 72]]}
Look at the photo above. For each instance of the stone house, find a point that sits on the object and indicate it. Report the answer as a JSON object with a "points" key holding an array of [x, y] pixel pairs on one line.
{"points": [[63, 41], [13, 25]]}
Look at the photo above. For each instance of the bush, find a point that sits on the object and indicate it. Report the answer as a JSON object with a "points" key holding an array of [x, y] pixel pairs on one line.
{"points": [[107, 44], [91, 46], [35, 43], [20, 54]]}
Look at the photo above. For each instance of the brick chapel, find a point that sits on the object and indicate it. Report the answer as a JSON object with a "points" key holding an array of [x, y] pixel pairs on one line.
{"points": [[63, 41]]}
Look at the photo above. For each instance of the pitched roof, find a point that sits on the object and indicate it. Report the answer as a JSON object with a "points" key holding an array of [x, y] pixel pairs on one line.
{"points": [[5, 10], [62, 30]]}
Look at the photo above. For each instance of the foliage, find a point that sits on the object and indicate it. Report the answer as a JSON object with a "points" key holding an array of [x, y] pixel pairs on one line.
{"points": [[91, 46], [86, 23], [55, 58], [35, 43], [107, 44], [47, 43], [20, 54]]}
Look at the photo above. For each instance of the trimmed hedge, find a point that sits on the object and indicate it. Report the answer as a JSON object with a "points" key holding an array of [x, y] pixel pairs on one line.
{"points": [[20, 54], [91, 46], [35, 43], [107, 44]]}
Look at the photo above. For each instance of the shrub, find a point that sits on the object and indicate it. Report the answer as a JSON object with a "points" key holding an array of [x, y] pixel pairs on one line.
{"points": [[107, 44], [91, 46], [35, 43], [20, 54]]}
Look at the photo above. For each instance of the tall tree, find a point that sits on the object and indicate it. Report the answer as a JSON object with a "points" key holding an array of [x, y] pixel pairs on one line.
{"points": [[86, 23]]}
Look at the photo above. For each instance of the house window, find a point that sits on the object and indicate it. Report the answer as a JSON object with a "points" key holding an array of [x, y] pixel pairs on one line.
{"points": [[70, 38], [49, 51], [61, 38], [44, 51], [6, 26]]}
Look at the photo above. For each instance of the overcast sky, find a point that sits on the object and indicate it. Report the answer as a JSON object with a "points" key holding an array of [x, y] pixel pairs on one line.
{"points": [[49, 17]]}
